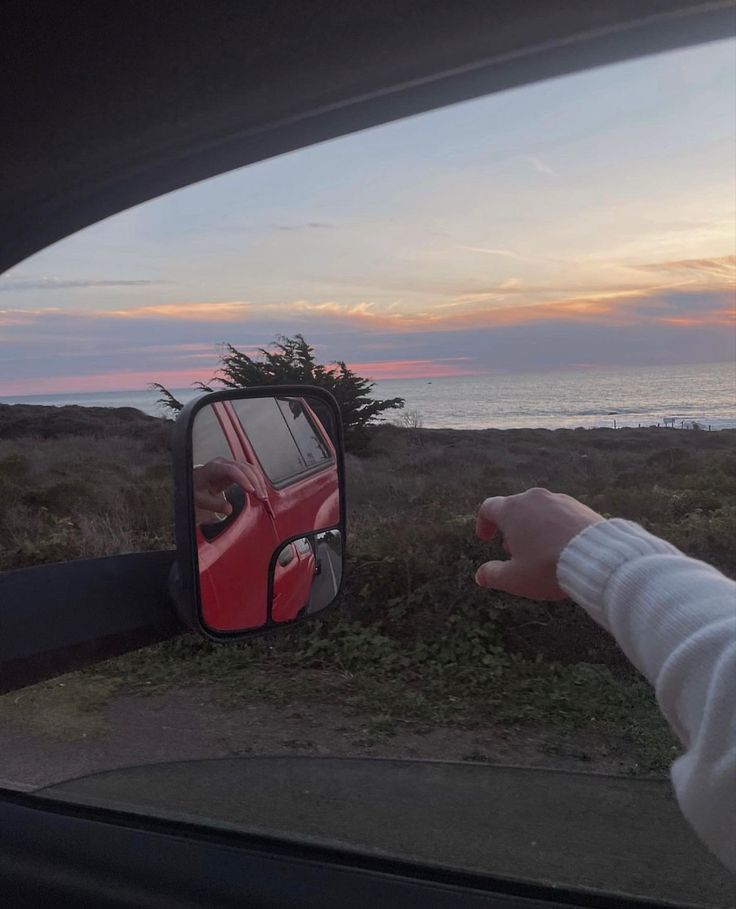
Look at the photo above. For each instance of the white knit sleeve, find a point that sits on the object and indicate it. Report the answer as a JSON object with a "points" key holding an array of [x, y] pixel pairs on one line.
{"points": [[675, 619]]}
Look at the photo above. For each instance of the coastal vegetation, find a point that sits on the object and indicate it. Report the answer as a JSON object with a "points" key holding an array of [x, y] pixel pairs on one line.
{"points": [[414, 645]]}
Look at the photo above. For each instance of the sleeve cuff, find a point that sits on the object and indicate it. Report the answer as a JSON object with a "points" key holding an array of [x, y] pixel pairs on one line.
{"points": [[590, 559]]}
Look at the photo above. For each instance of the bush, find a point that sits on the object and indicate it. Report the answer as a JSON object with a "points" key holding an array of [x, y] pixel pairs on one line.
{"points": [[292, 362]]}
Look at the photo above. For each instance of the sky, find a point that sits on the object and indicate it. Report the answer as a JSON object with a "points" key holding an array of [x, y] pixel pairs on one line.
{"points": [[585, 221]]}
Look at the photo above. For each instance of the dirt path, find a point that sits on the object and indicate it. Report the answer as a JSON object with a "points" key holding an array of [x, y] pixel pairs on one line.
{"points": [[44, 745]]}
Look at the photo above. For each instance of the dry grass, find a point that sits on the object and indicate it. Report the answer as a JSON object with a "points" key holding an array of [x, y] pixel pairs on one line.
{"points": [[83, 496]]}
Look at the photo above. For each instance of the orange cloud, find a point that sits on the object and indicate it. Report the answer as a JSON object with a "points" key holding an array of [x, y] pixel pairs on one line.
{"points": [[591, 307], [690, 292], [467, 311], [23, 316], [230, 311], [723, 317]]}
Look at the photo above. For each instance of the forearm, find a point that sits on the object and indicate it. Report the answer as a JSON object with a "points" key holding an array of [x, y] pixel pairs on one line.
{"points": [[675, 618]]}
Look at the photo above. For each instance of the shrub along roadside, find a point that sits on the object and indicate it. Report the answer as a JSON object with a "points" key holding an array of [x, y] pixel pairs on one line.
{"points": [[456, 675]]}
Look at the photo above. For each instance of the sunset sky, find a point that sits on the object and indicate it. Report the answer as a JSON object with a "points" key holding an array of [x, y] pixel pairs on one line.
{"points": [[585, 221]]}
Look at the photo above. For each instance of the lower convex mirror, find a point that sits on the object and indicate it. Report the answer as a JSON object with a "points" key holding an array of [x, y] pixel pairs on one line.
{"points": [[306, 576], [260, 511]]}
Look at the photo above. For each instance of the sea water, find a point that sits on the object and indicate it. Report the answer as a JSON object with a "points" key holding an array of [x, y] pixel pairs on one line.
{"points": [[588, 398]]}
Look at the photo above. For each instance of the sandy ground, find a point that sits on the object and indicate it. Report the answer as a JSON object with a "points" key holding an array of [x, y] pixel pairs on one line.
{"points": [[189, 724]]}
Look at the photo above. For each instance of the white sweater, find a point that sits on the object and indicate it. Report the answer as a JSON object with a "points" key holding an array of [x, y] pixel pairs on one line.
{"points": [[675, 619]]}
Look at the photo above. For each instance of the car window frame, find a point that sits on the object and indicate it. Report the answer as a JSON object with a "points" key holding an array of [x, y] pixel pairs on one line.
{"points": [[155, 857], [308, 416], [84, 831]]}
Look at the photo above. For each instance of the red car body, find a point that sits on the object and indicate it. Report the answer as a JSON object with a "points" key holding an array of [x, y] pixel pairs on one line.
{"points": [[234, 564], [292, 583]]}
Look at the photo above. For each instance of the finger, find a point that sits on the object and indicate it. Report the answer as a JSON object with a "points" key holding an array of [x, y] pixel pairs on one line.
{"points": [[489, 517], [228, 472], [212, 501], [506, 576], [252, 473]]}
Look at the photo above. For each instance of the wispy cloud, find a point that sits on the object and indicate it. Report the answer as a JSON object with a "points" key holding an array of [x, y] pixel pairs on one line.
{"points": [[23, 316], [720, 268], [503, 305], [508, 254], [307, 225], [492, 251], [481, 314], [228, 311], [20, 284], [538, 165], [619, 307]]}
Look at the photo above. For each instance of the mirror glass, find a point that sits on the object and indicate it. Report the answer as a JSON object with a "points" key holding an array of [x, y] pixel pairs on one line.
{"points": [[267, 515], [306, 575]]}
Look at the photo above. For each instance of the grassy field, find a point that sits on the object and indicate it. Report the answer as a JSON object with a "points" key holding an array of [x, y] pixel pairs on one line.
{"points": [[416, 645]]}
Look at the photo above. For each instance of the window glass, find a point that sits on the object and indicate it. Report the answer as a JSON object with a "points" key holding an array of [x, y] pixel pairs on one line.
{"points": [[305, 433], [208, 438], [545, 277], [267, 432]]}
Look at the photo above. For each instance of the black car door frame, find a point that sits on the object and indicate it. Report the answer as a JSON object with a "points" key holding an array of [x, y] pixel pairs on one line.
{"points": [[60, 854]]}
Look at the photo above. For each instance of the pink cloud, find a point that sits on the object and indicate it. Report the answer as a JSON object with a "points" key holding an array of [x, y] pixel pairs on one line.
{"points": [[227, 311], [108, 381]]}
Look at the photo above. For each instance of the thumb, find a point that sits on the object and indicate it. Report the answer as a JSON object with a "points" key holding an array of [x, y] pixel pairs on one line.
{"points": [[504, 576]]}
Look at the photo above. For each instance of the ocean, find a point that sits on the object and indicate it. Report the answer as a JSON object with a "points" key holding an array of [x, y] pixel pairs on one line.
{"points": [[585, 398]]}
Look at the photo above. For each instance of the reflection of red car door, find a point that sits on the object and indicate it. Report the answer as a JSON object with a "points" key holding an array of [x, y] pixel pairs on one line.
{"points": [[233, 565], [285, 442], [292, 582]]}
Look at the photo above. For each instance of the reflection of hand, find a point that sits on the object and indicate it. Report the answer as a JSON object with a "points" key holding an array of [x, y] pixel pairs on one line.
{"points": [[536, 526], [213, 478]]}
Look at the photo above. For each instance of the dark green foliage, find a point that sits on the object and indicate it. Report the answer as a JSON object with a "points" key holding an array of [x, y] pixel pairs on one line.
{"points": [[167, 400], [456, 673], [292, 362]]}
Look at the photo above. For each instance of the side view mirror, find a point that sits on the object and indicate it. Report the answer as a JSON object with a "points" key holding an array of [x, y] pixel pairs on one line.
{"points": [[260, 508]]}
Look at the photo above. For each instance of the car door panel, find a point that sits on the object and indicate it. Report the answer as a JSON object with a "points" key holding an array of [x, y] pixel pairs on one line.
{"points": [[233, 586]]}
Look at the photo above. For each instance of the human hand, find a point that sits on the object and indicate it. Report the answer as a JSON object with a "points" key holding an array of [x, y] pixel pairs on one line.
{"points": [[213, 478], [536, 526]]}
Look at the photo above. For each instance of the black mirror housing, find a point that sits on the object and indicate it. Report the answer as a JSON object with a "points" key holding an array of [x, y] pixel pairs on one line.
{"points": [[259, 507]]}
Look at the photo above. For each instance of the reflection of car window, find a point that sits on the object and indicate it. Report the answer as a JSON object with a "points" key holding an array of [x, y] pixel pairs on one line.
{"points": [[274, 439], [303, 546], [269, 435], [307, 437], [208, 439]]}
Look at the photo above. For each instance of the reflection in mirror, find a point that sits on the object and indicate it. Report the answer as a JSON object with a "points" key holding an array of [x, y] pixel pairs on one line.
{"points": [[306, 576], [264, 472]]}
